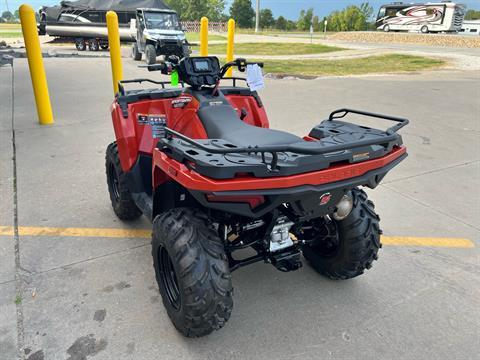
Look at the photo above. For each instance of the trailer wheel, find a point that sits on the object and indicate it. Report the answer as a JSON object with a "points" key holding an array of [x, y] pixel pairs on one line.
{"points": [[94, 45], [386, 28], [150, 54], [192, 271], [424, 29], [136, 55], [345, 249], [80, 44]]}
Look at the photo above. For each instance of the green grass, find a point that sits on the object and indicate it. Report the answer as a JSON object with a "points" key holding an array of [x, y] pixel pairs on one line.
{"points": [[18, 300], [10, 26], [195, 37], [374, 64], [273, 48], [10, 34]]}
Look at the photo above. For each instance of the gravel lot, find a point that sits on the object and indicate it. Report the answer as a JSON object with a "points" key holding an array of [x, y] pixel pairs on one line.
{"points": [[410, 38]]}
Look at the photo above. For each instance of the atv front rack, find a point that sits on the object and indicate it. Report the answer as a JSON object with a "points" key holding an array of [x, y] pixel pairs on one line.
{"points": [[332, 142]]}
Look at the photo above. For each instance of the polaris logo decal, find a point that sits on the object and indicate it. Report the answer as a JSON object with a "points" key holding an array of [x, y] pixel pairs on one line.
{"points": [[361, 156], [325, 199], [181, 102]]}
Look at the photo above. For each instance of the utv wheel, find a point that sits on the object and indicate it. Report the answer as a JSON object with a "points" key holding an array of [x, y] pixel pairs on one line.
{"points": [[192, 271], [136, 55], [344, 249], [104, 46], [80, 44], [121, 198], [150, 54]]}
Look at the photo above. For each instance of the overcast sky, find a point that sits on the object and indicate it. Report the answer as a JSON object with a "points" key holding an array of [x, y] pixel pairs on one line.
{"points": [[288, 8]]}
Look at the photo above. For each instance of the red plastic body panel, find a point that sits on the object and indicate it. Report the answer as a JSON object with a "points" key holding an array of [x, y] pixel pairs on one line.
{"points": [[134, 138], [194, 181]]}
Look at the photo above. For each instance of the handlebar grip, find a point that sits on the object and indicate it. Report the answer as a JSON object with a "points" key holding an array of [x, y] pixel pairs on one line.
{"points": [[156, 67]]}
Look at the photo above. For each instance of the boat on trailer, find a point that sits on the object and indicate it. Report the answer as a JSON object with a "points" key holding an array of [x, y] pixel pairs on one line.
{"points": [[84, 21]]}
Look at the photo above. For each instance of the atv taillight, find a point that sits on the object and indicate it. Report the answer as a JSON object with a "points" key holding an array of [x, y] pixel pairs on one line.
{"points": [[253, 200]]}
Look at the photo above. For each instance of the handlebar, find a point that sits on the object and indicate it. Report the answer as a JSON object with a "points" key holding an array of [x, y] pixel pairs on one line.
{"points": [[167, 67], [240, 63]]}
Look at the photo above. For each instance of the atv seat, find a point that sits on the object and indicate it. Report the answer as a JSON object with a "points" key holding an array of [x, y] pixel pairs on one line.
{"points": [[222, 122]]}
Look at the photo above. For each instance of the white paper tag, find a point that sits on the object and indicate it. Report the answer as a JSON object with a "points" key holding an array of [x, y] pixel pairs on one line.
{"points": [[255, 77]]}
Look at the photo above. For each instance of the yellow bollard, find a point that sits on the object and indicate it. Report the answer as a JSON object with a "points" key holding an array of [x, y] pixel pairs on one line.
{"points": [[115, 51], [230, 42], [204, 36], [35, 63]]}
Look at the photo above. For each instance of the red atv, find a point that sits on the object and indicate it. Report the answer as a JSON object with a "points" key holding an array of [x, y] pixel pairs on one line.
{"points": [[202, 164]]}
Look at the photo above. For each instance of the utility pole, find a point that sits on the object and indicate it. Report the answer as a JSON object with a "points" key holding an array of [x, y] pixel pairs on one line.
{"points": [[257, 16]]}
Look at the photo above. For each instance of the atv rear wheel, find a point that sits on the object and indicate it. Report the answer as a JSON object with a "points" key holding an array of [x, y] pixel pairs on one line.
{"points": [[192, 271], [122, 202], [344, 249], [150, 54]]}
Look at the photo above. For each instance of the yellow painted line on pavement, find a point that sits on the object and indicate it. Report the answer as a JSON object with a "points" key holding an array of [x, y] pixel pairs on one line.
{"points": [[427, 241], [139, 233], [77, 232]]}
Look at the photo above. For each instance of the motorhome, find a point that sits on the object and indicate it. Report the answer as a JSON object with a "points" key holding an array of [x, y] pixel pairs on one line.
{"points": [[470, 27], [429, 17]]}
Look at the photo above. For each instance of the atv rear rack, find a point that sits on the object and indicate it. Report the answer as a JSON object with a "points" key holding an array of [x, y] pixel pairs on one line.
{"points": [[333, 142]]}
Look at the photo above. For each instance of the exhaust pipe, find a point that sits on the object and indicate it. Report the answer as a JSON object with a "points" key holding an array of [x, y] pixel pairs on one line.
{"points": [[344, 208]]}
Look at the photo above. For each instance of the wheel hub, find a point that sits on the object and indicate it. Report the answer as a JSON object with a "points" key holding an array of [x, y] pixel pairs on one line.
{"points": [[168, 278]]}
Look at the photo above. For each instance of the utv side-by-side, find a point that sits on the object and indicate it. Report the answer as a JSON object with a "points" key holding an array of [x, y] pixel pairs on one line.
{"points": [[224, 191], [158, 32]]}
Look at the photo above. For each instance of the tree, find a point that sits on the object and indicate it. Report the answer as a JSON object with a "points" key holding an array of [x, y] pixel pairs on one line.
{"points": [[266, 18], [366, 10], [192, 10], [291, 25], [305, 20], [7, 15], [281, 23], [316, 24], [349, 19], [242, 12], [472, 15]]}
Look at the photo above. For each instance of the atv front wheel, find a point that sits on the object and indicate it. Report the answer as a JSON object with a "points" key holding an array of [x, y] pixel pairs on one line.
{"points": [[344, 249], [192, 271], [122, 202], [150, 54]]}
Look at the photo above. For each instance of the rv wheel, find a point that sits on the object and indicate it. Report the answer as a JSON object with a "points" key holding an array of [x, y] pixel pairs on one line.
{"points": [[80, 44], [386, 28], [424, 29]]}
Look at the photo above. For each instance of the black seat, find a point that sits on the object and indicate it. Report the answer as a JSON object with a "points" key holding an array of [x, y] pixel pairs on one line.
{"points": [[222, 122]]}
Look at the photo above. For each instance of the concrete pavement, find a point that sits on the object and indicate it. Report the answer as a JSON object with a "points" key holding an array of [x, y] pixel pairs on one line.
{"points": [[88, 297]]}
